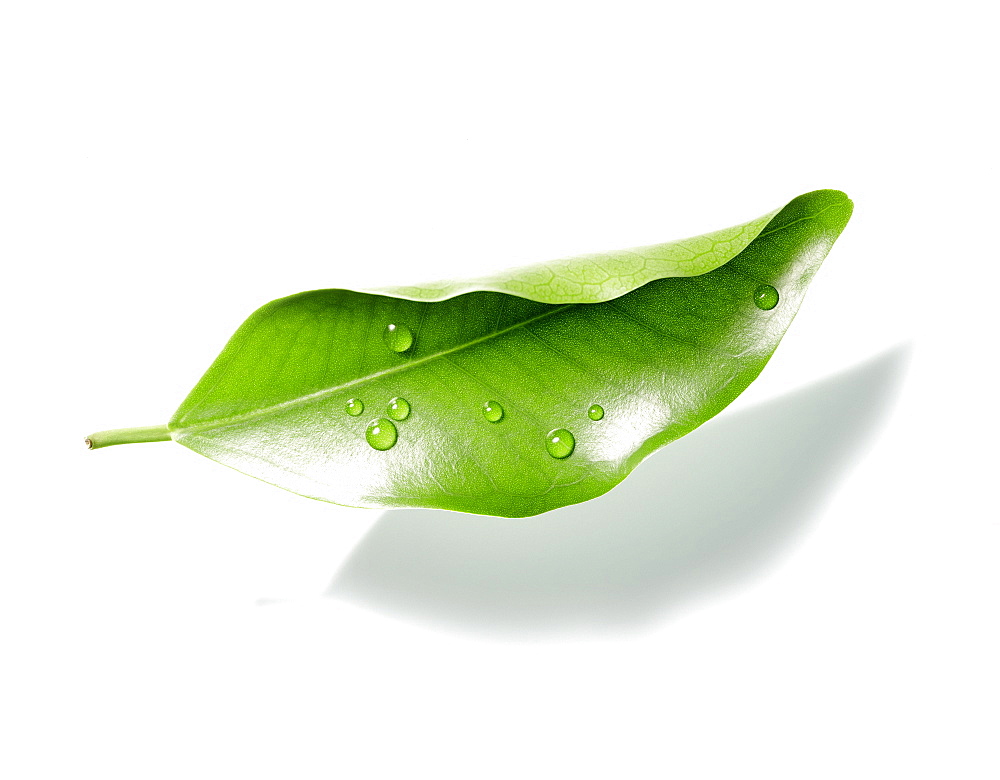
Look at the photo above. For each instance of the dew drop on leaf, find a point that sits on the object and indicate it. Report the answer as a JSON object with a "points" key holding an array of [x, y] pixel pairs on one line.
{"points": [[399, 408], [595, 412], [381, 434], [765, 297], [560, 443], [493, 411], [398, 338], [354, 407]]}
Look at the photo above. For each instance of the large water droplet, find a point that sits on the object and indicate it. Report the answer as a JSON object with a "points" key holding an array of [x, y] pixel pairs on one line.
{"points": [[354, 407], [381, 434], [595, 412], [492, 411], [765, 297], [560, 443], [399, 408], [398, 338]]}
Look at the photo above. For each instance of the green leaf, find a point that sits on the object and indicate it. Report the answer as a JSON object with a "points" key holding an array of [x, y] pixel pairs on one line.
{"points": [[600, 277], [515, 394]]}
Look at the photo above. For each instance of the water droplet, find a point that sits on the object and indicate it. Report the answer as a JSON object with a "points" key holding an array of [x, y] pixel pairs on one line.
{"points": [[381, 434], [354, 407], [398, 338], [399, 408], [492, 411], [560, 443], [595, 412], [765, 297]]}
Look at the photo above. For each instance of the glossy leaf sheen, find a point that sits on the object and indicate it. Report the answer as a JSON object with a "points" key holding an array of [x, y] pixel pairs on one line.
{"points": [[660, 356]]}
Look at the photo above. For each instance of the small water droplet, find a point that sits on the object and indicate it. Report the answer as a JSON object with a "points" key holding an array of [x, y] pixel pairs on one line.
{"points": [[560, 443], [398, 338], [381, 434], [492, 411], [399, 408], [765, 297], [595, 412], [354, 407]]}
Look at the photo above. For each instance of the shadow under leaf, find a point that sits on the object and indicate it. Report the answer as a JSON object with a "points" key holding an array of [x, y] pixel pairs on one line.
{"points": [[705, 512]]}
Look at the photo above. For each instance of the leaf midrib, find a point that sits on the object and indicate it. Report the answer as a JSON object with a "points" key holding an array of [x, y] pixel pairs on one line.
{"points": [[319, 394]]}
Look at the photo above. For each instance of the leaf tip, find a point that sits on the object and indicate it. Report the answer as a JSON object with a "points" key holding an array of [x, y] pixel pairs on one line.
{"points": [[828, 198]]}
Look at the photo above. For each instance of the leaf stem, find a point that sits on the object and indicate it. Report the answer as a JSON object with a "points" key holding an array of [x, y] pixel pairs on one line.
{"points": [[127, 436]]}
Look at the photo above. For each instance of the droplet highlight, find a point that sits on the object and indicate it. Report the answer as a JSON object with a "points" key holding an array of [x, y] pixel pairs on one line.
{"points": [[560, 443], [398, 338], [493, 411], [765, 297], [595, 412], [354, 407], [381, 434], [399, 408]]}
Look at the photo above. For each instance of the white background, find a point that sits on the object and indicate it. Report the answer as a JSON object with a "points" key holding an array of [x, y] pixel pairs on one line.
{"points": [[805, 587]]}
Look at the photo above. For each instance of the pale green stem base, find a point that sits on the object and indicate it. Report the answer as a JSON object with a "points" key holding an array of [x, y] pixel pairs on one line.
{"points": [[127, 436]]}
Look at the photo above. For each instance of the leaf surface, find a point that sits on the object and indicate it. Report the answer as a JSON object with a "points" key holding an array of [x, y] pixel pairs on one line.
{"points": [[660, 352], [595, 278]]}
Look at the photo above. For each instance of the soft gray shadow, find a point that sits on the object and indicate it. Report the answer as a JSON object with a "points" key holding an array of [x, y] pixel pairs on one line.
{"points": [[709, 510]]}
